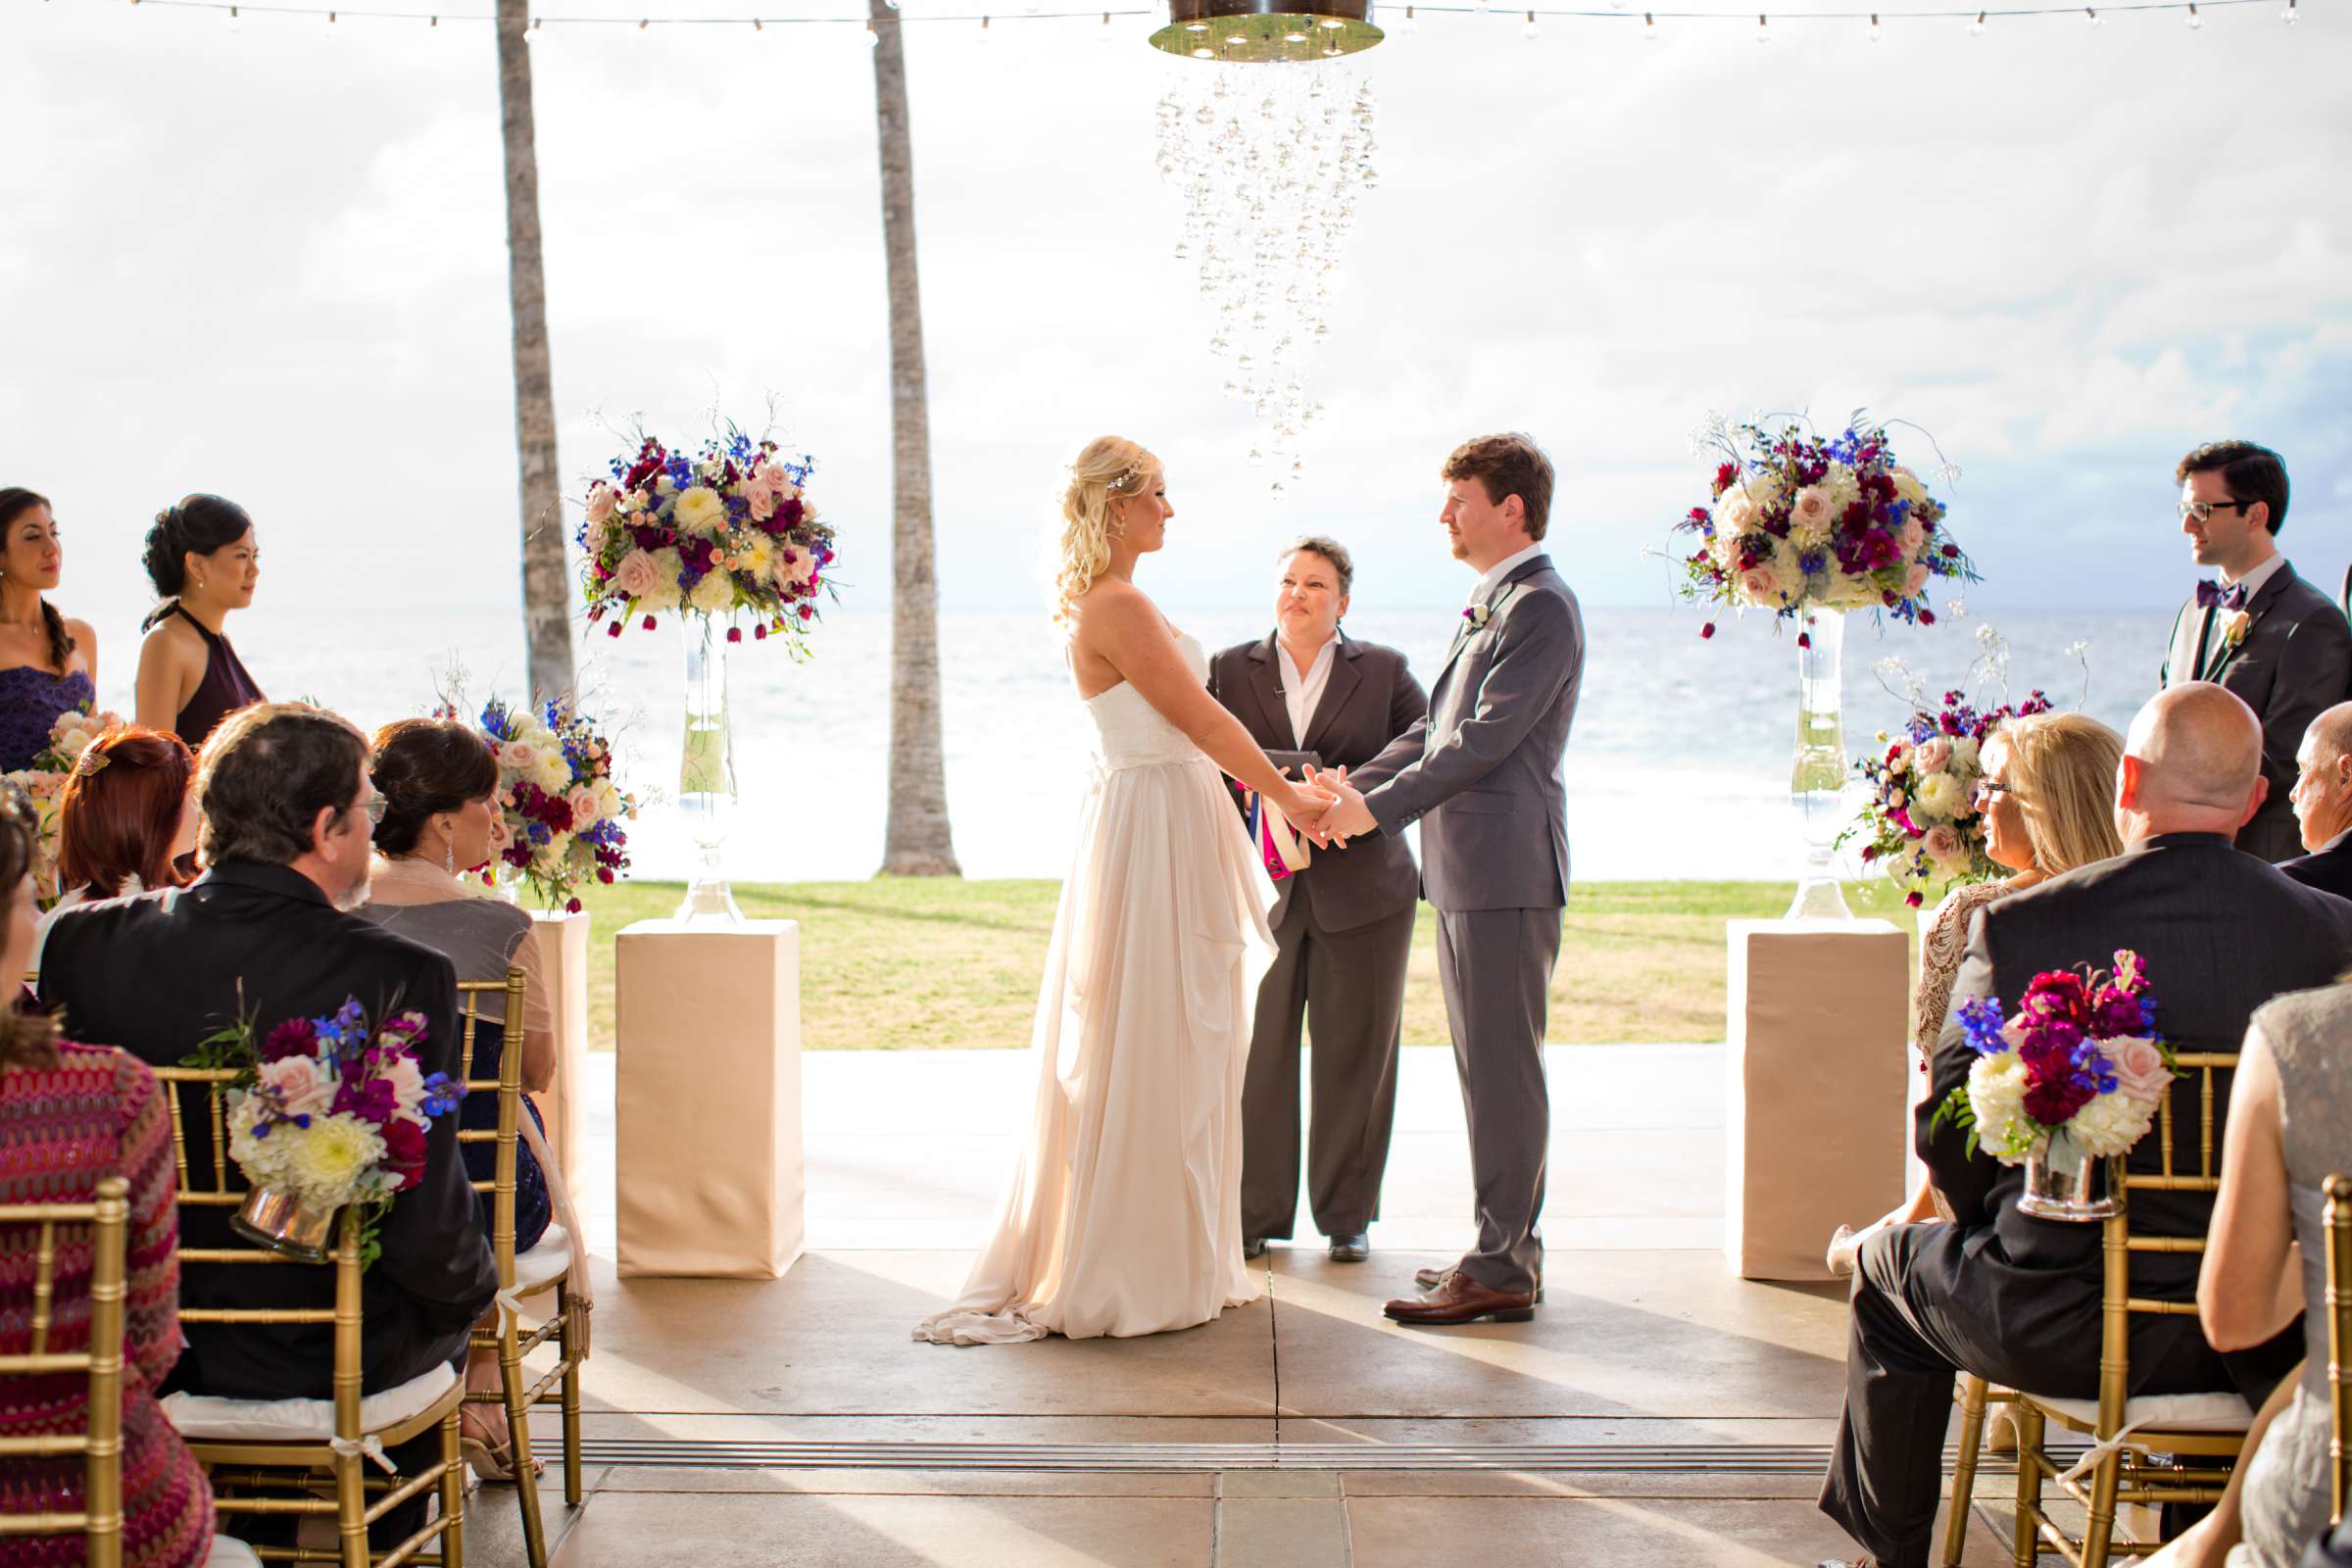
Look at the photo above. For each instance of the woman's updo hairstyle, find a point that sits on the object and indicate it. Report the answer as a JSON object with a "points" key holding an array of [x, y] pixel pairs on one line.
{"points": [[15, 502], [1110, 467], [200, 523], [424, 765], [27, 1034], [121, 810]]}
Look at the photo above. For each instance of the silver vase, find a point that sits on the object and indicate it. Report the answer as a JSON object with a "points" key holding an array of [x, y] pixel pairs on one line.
{"points": [[2062, 1183], [281, 1222]]}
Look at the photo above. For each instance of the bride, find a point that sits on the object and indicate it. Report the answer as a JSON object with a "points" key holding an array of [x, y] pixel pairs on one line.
{"points": [[1125, 1216]]}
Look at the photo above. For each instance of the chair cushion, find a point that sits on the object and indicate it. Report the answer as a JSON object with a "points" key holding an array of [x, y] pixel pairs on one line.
{"points": [[542, 1264], [2165, 1412], [206, 1418], [230, 1552]]}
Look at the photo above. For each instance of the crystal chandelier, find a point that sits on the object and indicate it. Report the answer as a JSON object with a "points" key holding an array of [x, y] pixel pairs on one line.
{"points": [[1256, 32], [1270, 163]]}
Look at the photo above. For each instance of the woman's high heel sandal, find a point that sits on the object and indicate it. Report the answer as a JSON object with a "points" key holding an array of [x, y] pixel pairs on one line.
{"points": [[491, 1456]]}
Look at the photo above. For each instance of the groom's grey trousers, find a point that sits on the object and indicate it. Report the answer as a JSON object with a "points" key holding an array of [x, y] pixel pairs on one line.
{"points": [[1496, 969]]}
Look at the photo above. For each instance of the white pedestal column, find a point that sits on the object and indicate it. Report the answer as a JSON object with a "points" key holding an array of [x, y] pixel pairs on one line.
{"points": [[1818, 1077], [563, 941], [708, 1164]]}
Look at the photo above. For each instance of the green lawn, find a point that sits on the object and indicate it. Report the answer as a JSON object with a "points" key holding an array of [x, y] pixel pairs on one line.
{"points": [[914, 963]]}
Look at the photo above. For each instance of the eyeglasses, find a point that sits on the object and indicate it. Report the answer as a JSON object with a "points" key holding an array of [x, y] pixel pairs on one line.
{"points": [[2203, 510], [1987, 787], [375, 806]]}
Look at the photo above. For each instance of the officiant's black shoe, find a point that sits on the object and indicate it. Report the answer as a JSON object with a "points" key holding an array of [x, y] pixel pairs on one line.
{"points": [[1254, 1247], [1353, 1247], [1429, 1279], [1459, 1298]]}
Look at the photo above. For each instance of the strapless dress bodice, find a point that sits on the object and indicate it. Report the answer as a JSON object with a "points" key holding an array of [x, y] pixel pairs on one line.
{"points": [[31, 700], [1129, 732]]}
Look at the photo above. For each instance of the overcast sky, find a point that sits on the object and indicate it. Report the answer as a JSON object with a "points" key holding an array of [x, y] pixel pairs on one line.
{"points": [[271, 263]]}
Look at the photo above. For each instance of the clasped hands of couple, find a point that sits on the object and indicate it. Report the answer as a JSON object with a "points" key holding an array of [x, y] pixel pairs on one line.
{"points": [[1329, 811]]}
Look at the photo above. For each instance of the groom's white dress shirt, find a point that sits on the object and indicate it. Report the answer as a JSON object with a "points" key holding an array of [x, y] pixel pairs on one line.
{"points": [[1302, 691], [1503, 568]]}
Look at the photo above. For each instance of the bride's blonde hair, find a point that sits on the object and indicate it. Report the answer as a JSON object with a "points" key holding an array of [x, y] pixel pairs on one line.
{"points": [[1109, 467]]}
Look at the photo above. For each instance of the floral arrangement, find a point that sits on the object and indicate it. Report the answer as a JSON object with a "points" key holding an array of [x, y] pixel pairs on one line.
{"points": [[1918, 819], [724, 531], [331, 1110], [1798, 524], [563, 809], [2079, 1064], [44, 782]]}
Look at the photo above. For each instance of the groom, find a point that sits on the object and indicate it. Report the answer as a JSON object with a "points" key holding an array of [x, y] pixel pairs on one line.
{"points": [[1482, 775]]}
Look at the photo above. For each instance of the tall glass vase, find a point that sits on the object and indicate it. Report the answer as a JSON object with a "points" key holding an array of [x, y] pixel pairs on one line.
{"points": [[1816, 782], [706, 774]]}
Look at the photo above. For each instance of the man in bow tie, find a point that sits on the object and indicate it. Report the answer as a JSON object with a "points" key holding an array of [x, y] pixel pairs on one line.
{"points": [[2258, 629]]}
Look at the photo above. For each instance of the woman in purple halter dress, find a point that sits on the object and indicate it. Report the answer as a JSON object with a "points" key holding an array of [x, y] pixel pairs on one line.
{"points": [[204, 563], [48, 665]]}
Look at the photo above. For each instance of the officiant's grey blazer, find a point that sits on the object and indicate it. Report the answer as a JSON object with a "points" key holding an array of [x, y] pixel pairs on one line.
{"points": [[2294, 664], [1482, 772]]}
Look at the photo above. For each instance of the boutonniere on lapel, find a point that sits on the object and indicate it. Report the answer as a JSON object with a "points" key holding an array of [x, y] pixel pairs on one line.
{"points": [[2233, 624], [1478, 616]]}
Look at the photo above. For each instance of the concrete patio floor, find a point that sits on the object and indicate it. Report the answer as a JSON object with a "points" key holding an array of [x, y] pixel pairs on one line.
{"points": [[1657, 1411]]}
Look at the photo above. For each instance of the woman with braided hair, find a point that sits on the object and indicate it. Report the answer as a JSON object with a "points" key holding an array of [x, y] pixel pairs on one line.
{"points": [[48, 665]]}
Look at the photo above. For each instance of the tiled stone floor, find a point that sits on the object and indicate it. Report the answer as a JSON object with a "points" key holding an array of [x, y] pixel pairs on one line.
{"points": [[1648, 1346]]}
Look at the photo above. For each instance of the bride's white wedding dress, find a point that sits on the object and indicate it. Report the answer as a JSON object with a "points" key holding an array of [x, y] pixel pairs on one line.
{"points": [[1125, 1216]]}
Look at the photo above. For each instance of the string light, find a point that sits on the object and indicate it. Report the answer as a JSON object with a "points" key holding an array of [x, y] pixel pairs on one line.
{"points": [[2194, 20], [984, 29], [1763, 28], [1409, 24], [1977, 27], [237, 24], [2289, 16], [531, 33], [1104, 34], [1531, 29], [758, 26], [1874, 26], [1649, 28], [2092, 12]]}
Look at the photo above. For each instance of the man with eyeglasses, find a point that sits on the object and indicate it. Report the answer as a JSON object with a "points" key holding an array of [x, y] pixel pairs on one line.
{"points": [[2275, 640]]}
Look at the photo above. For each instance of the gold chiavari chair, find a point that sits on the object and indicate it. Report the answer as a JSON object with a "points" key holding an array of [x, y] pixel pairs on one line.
{"points": [[99, 1442], [2339, 1349], [273, 1475], [2196, 1437], [545, 1268], [1974, 1394]]}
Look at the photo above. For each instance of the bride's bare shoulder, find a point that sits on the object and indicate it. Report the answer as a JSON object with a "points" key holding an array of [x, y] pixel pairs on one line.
{"points": [[1110, 607]]}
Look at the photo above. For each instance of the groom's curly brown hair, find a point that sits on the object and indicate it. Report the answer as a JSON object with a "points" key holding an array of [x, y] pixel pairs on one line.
{"points": [[1507, 464]]}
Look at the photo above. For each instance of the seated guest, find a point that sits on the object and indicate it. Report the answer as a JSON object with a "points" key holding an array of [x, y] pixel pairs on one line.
{"points": [[72, 1116], [2272, 638], [286, 813], [1314, 697], [2323, 800], [2290, 1128], [2046, 793], [437, 779], [2018, 1299], [203, 561], [48, 663], [125, 817]]}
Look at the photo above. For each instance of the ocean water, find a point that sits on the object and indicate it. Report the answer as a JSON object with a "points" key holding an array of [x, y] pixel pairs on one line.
{"points": [[1678, 767]]}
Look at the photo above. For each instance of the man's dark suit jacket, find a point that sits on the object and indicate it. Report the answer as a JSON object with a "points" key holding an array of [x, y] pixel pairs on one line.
{"points": [[1370, 699], [2221, 933], [157, 973], [2327, 867], [2294, 664]]}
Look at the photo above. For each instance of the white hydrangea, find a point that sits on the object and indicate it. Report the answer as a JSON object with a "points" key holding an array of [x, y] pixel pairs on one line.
{"points": [[1965, 750], [2110, 1124], [1996, 1092], [664, 593], [714, 595], [1938, 795]]}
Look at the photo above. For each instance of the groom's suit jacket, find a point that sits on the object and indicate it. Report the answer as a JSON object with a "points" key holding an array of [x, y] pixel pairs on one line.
{"points": [[1370, 699], [1482, 772], [2294, 662]]}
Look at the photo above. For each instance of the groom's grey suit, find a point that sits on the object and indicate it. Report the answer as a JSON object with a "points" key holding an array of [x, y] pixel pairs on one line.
{"points": [[1482, 775]]}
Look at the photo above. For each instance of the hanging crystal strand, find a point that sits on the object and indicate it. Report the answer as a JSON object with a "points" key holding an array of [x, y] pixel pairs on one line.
{"points": [[707, 773], [1816, 782]]}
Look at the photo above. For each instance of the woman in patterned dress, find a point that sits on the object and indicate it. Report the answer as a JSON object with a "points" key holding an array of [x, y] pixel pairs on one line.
{"points": [[72, 1116]]}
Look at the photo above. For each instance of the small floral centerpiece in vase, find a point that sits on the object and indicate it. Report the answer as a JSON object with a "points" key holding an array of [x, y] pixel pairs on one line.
{"points": [[1810, 528], [726, 534], [2074, 1078], [329, 1111], [563, 806], [44, 784], [1919, 821]]}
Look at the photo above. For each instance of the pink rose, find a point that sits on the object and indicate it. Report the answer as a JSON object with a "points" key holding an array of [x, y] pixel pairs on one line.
{"points": [[1943, 845], [1934, 754], [761, 499], [1915, 579], [794, 568], [1761, 583], [2139, 1069], [582, 801], [1812, 509], [300, 1088], [637, 575], [601, 501], [1915, 534], [517, 756]]}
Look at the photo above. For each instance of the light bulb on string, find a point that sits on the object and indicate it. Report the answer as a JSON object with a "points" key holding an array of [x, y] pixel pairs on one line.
{"points": [[1763, 28], [433, 21], [1649, 28], [1530, 30], [1976, 29], [984, 29], [333, 29], [1874, 26], [2291, 14], [2194, 20], [1104, 34], [237, 24], [1409, 23], [2092, 12], [538, 25], [644, 23], [758, 26]]}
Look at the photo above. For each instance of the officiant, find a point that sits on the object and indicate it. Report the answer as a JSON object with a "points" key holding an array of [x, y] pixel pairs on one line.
{"points": [[1313, 696]]}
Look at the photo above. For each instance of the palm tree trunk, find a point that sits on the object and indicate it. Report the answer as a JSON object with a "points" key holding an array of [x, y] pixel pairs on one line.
{"points": [[546, 583], [917, 842]]}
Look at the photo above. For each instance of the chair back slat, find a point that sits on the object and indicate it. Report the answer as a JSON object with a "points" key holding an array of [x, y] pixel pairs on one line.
{"points": [[2339, 1348], [508, 1086], [99, 1520]]}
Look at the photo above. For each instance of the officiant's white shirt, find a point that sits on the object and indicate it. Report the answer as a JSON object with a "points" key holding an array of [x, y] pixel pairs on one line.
{"points": [[1302, 693], [1503, 568]]}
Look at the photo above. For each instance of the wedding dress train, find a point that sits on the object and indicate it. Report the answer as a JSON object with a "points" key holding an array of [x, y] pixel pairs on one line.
{"points": [[1125, 1216]]}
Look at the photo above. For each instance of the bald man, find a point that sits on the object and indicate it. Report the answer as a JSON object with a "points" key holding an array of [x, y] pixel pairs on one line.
{"points": [[2017, 1298], [2323, 798]]}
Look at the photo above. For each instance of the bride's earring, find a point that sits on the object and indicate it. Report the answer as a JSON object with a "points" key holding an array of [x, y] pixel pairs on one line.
{"points": [[449, 852]]}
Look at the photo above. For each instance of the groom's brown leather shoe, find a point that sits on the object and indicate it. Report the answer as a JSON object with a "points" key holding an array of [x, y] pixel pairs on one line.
{"points": [[1429, 1279], [1459, 1298]]}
